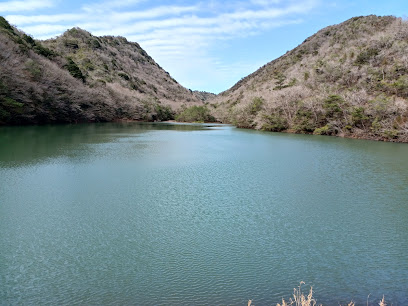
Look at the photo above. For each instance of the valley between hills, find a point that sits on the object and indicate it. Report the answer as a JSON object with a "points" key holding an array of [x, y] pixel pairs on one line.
{"points": [[347, 80]]}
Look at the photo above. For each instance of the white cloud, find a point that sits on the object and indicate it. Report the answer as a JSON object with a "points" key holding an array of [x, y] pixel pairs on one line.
{"points": [[171, 21], [58, 18], [103, 6], [153, 13], [179, 37], [45, 30], [29, 5]]}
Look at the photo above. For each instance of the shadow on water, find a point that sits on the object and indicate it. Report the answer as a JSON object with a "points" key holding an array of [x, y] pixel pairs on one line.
{"points": [[27, 144]]}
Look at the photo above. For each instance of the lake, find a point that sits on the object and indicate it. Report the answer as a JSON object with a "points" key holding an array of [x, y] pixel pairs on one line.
{"points": [[181, 214]]}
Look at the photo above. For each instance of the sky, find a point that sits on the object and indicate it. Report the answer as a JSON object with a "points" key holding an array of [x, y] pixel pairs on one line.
{"points": [[206, 45]]}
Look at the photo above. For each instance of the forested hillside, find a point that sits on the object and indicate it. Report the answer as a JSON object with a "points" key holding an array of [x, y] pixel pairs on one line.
{"points": [[78, 77], [348, 80]]}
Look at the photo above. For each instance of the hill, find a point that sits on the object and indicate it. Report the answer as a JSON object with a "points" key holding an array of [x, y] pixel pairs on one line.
{"points": [[204, 96], [78, 77], [348, 80]]}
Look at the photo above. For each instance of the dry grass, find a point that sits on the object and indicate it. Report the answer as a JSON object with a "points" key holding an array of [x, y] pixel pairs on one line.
{"points": [[300, 299], [382, 302]]}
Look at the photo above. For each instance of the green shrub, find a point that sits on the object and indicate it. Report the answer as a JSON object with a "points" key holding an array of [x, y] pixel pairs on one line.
{"points": [[74, 69], [33, 68], [324, 130], [95, 44], [124, 76], [274, 123], [303, 112], [11, 103], [332, 105], [29, 39], [358, 116], [37, 47], [71, 43], [401, 85], [9, 108], [304, 121], [163, 112], [4, 24], [21, 43], [280, 79], [87, 65], [136, 86], [195, 114], [41, 50], [242, 121], [4, 115], [391, 134], [365, 56], [380, 105], [305, 126], [376, 125], [256, 105]]}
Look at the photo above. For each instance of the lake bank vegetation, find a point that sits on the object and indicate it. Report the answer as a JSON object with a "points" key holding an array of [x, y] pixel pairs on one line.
{"points": [[348, 80], [195, 114]]}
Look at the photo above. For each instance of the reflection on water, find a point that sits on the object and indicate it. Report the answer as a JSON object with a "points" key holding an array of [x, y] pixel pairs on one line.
{"points": [[20, 145], [165, 214]]}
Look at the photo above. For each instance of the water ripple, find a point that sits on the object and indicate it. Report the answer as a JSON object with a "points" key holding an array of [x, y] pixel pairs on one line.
{"points": [[206, 216]]}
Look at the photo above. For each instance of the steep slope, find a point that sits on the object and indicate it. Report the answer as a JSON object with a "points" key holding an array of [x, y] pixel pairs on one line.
{"points": [[81, 78], [120, 64], [204, 95], [349, 80]]}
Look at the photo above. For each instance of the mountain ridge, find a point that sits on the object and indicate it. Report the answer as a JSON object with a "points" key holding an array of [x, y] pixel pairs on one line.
{"points": [[347, 80], [78, 77]]}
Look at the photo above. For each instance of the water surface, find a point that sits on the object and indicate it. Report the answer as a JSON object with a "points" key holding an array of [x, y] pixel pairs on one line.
{"points": [[163, 214]]}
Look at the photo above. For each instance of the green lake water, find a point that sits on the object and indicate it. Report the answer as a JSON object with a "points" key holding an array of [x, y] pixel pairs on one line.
{"points": [[167, 214]]}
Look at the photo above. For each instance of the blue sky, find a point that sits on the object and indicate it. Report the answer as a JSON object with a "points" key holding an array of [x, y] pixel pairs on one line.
{"points": [[205, 45]]}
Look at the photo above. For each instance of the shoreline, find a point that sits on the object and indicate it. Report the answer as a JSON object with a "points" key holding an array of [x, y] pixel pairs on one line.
{"points": [[348, 136]]}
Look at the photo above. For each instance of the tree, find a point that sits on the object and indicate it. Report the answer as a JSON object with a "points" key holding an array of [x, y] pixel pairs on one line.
{"points": [[74, 69]]}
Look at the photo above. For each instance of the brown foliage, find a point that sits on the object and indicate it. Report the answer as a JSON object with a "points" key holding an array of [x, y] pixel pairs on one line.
{"points": [[363, 61], [78, 77]]}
